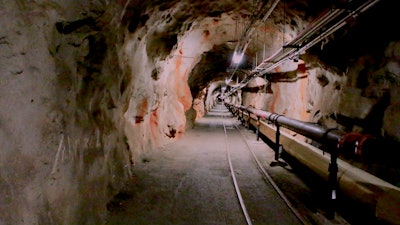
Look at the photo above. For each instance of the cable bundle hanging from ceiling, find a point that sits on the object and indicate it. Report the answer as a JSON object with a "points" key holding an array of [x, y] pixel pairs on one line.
{"points": [[260, 14], [323, 27]]}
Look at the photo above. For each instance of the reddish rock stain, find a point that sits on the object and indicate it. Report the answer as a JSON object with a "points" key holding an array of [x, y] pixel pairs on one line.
{"points": [[303, 90], [274, 98], [206, 36], [180, 84], [301, 68], [154, 125], [141, 112]]}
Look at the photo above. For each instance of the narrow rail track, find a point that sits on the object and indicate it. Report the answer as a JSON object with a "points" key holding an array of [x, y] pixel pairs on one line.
{"points": [[266, 177], [235, 183]]}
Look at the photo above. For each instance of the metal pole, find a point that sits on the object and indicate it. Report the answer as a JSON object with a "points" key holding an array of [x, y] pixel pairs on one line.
{"points": [[333, 183], [248, 121], [265, 91], [277, 142], [242, 119]]}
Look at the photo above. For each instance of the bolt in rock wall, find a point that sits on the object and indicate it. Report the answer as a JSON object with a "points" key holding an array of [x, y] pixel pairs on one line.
{"points": [[63, 153]]}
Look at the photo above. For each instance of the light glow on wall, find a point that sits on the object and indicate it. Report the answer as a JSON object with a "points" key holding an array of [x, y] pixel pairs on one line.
{"points": [[237, 57]]}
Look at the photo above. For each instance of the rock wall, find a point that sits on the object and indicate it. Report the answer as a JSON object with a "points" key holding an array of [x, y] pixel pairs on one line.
{"points": [[372, 95], [365, 98], [87, 88], [64, 152], [160, 55]]}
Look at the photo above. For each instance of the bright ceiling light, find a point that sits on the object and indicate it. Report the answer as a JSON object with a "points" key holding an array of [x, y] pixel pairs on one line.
{"points": [[237, 57]]}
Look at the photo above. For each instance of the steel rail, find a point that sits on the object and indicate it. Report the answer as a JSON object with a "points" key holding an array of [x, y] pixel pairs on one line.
{"points": [[269, 179], [237, 189]]}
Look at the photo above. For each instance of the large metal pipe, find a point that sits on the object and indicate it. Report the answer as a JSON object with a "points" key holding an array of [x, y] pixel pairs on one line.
{"points": [[310, 130]]}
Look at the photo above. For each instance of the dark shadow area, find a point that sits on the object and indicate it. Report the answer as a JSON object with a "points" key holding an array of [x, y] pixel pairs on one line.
{"points": [[367, 34], [379, 154], [118, 202]]}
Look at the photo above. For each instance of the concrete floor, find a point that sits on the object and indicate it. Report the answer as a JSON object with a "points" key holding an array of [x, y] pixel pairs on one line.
{"points": [[189, 182]]}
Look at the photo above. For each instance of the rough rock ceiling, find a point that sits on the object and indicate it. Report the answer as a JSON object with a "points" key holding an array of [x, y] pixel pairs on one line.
{"points": [[167, 25], [227, 21], [367, 34], [91, 86]]}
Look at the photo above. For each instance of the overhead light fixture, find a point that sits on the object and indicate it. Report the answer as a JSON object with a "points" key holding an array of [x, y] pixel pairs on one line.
{"points": [[237, 57]]}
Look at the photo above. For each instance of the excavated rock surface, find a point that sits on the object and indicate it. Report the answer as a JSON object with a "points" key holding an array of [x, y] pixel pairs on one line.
{"points": [[87, 88], [64, 151]]}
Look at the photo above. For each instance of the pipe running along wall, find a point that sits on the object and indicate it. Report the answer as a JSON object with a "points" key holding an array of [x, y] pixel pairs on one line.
{"points": [[310, 130], [378, 195]]}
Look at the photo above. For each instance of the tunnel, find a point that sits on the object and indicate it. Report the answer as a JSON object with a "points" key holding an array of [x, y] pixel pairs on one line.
{"points": [[91, 90]]}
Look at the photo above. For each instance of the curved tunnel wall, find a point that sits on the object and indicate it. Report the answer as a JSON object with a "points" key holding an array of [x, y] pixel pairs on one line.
{"points": [[88, 87], [62, 96]]}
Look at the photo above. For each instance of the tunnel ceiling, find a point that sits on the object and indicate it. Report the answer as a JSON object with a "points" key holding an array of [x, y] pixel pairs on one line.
{"points": [[367, 34], [229, 18], [91, 87], [211, 67]]}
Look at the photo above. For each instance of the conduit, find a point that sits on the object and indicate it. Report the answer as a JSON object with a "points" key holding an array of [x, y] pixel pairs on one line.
{"points": [[318, 31], [245, 39], [310, 130]]}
